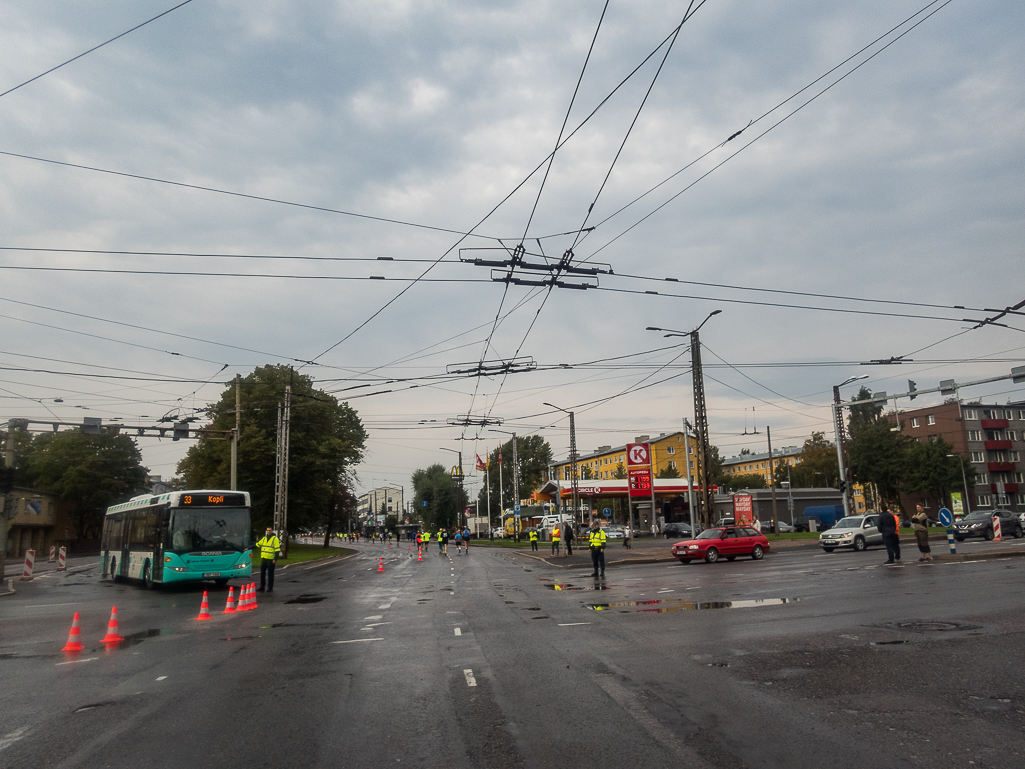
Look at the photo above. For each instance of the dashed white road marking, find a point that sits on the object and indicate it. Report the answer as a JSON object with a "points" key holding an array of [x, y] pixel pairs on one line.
{"points": [[384, 606], [373, 616], [376, 624], [459, 631], [13, 737], [470, 680], [75, 662], [357, 640], [571, 624]]}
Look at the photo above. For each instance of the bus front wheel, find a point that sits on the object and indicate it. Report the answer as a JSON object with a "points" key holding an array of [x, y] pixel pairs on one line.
{"points": [[147, 577]]}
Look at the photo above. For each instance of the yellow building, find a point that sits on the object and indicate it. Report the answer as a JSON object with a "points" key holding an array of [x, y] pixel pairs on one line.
{"points": [[667, 451]]}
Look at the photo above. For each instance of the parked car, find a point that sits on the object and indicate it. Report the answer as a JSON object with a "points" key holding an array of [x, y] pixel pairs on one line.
{"points": [[727, 542], [980, 524], [498, 533], [725, 522], [676, 530], [614, 532], [784, 527], [856, 532]]}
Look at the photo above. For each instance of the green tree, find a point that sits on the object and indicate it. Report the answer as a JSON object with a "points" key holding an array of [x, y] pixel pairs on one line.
{"points": [[877, 456], [534, 455], [445, 500], [742, 481], [93, 471], [668, 472], [865, 416], [326, 440], [620, 472], [928, 470], [816, 465], [586, 473]]}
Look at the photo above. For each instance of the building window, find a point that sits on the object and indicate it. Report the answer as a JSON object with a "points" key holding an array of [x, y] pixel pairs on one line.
{"points": [[925, 504], [1012, 435], [1002, 500], [970, 414], [1013, 456], [975, 435], [1019, 477], [931, 419], [977, 456], [1008, 414], [1021, 415], [1021, 499], [670, 449], [982, 479], [672, 464], [984, 500], [914, 421]]}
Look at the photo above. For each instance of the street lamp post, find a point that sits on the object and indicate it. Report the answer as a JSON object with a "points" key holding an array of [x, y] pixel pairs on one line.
{"points": [[700, 415], [457, 477], [573, 460], [841, 442], [516, 484], [964, 480]]}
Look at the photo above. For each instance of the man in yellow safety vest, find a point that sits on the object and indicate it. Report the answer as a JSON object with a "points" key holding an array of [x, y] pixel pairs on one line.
{"points": [[533, 540], [269, 546], [556, 539], [597, 540]]}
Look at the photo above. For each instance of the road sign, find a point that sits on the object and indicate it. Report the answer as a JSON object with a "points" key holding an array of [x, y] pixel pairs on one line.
{"points": [[640, 482], [638, 454], [606, 512], [516, 508], [945, 517]]}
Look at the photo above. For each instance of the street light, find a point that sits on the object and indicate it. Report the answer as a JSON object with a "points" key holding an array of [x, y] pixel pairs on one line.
{"points": [[841, 442], [574, 475], [700, 415], [457, 477], [964, 480], [516, 484]]}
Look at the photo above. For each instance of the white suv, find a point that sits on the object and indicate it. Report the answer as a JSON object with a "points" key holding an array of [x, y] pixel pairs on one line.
{"points": [[856, 532]]}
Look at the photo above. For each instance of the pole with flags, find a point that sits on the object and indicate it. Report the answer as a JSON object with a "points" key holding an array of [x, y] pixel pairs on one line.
{"points": [[501, 499], [486, 467]]}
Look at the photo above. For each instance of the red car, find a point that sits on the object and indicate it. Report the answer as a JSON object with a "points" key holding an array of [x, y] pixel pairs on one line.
{"points": [[727, 542]]}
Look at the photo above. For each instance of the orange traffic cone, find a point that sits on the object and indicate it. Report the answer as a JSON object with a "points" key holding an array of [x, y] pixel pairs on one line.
{"points": [[419, 554], [112, 636], [229, 607], [243, 598], [204, 608], [252, 597], [74, 643], [380, 566]]}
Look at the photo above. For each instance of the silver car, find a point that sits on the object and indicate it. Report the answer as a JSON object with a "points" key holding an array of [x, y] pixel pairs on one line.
{"points": [[856, 531]]}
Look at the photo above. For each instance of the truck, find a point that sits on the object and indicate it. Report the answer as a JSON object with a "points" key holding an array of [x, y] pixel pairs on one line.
{"points": [[818, 517]]}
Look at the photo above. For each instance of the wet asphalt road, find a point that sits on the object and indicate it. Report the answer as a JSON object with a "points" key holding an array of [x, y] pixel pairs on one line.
{"points": [[492, 660]]}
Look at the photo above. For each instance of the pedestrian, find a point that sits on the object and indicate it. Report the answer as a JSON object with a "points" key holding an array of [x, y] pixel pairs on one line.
{"points": [[570, 536], [597, 540], [533, 539], [887, 526], [654, 529], [459, 542], [921, 522], [269, 546], [556, 539], [466, 539], [626, 536], [444, 541]]}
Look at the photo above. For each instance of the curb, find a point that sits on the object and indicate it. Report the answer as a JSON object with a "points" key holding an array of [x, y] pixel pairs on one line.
{"points": [[990, 556], [10, 587]]}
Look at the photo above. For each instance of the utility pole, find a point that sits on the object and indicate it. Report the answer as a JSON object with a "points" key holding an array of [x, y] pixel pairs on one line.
{"points": [[841, 442], [772, 482], [281, 468], [235, 435], [707, 499], [516, 487], [690, 481], [575, 480], [7, 500]]}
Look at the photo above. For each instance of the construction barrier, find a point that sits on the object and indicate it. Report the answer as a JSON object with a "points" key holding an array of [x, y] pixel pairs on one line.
{"points": [[30, 563], [74, 643], [253, 605], [380, 566], [53, 554], [62, 559], [996, 529]]}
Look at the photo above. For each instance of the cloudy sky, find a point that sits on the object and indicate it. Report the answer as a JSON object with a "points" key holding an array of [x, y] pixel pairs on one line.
{"points": [[876, 189]]}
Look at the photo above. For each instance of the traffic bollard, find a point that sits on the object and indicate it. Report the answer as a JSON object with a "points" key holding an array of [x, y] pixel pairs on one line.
{"points": [[950, 541], [62, 559]]}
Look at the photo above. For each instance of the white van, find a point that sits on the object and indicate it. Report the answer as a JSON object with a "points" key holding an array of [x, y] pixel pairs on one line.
{"points": [[549, 521]]}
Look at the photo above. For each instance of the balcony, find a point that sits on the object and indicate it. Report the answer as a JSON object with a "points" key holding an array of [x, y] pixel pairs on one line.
{"points": [[1000, 467], [998, 445], [1009, 488], [995, 424]]}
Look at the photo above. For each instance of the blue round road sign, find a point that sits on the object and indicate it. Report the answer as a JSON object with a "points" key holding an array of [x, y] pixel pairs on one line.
{"points": [[945, 519], [606, 511]]}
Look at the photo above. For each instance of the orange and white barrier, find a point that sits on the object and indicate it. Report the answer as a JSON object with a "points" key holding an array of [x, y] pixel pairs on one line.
{"points": [[204, 608], [380, 566], [996, 529], [74, 643], [30, 563], [62, 559], [229, 606], [53, 554], [253, 605]]}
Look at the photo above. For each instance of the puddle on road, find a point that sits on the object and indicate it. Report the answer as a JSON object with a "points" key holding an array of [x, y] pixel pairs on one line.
{"points": [[666, 605], [305, 598], [137, 638]]}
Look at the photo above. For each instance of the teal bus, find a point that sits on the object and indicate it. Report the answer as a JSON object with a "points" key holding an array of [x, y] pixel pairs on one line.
{"points": [[181, 536]]}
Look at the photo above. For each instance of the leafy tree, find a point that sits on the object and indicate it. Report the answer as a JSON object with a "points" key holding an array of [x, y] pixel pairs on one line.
{"points": [[445, 500], [620, 472], [93, 471], [742, 481], [865, 416], [326, 440], [745, 452], [714, 464], [928, 470], [668, 472], [586, 473], [534, 455], [816, 464], [877, 456]]}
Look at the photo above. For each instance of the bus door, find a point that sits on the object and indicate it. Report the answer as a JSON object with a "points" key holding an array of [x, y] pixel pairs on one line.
{"points": [[163, 519]]}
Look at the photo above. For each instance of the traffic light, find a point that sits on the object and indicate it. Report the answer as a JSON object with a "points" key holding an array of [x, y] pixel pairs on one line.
{"points": [[912, 388], [843, 487]]}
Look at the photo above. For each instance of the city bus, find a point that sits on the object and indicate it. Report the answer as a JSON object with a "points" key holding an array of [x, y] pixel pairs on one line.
{"points": [[181, 536]]}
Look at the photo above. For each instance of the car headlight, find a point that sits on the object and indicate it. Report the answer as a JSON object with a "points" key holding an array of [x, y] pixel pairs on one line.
{"points": [[692, 547]]}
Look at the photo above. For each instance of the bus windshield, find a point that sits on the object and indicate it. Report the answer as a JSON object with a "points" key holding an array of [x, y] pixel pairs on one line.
{"points": [[222, 528]]}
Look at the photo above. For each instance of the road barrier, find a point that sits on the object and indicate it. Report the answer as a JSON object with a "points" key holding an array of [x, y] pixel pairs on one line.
{"points": [[112, 636], [30, 563], [996, 529], [53, 554], [204, 608], [62, 559], [229, 607], [74, 643]]}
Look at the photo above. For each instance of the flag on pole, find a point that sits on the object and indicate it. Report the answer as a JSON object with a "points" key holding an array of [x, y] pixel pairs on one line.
{"points": [[480, 462], [499, 455]]}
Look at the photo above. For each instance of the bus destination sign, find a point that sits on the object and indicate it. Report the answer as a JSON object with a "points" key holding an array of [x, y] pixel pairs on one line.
{"points": [[212, 500]]}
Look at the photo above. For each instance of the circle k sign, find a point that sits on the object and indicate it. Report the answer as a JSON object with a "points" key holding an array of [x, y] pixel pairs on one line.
{"points": [[638, 454]]}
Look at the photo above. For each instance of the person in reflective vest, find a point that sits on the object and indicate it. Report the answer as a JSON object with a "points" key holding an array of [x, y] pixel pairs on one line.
{"points": [[533, 539], [597, 540], [556, 539], [269, 545]]}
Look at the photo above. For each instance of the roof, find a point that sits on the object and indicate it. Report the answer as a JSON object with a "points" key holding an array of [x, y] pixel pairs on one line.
{"points": [[616, 449], [788, 451]]}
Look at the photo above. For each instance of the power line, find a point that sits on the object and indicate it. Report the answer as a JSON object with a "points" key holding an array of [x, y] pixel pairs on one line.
{"points": [[94, 48]]}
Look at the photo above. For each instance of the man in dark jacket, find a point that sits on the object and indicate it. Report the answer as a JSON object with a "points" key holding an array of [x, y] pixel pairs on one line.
{"points": [[887, 526]]}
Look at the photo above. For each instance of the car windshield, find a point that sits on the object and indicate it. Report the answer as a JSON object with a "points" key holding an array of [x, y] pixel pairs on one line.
{"points": [[977, 517], [710, 534], [210, 529], [848, 523]]}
